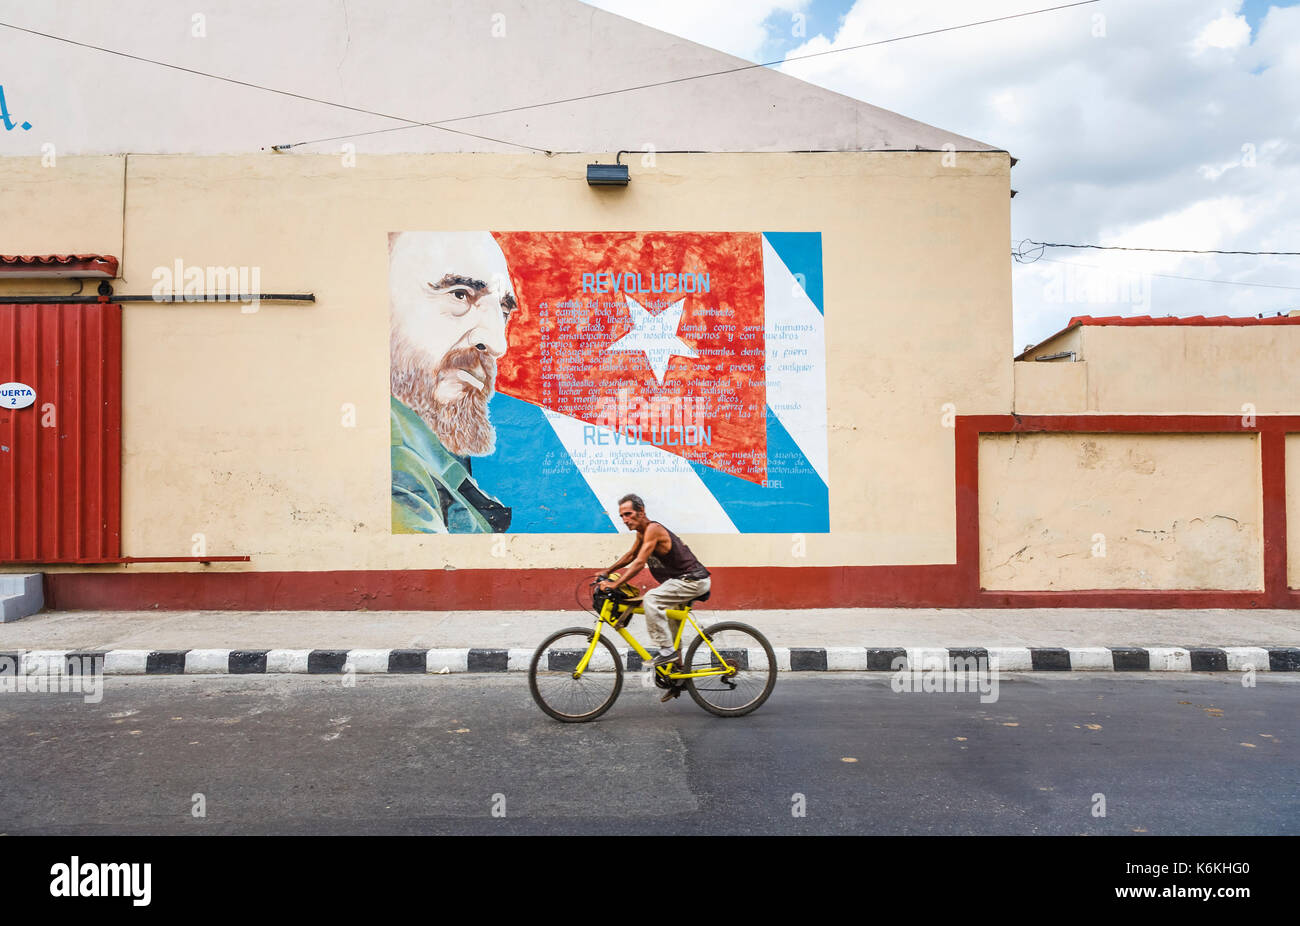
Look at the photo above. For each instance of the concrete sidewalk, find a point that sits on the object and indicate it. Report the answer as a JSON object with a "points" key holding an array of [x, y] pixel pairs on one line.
{"points": [[847, 627]]}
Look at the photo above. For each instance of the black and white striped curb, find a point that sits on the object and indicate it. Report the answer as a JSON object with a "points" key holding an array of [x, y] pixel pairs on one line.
{"points": [[788, 659]]}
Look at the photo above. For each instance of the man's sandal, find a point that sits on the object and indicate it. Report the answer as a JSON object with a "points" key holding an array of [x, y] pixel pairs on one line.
{"points": [[667, 659]]}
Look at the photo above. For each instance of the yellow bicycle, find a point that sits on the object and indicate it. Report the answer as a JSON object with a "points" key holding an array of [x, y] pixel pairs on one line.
{"points": [[576, 674]]}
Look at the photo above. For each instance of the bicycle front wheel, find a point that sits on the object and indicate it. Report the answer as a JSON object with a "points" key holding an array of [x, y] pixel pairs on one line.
{"points": [[558, 693], [742, 691]]}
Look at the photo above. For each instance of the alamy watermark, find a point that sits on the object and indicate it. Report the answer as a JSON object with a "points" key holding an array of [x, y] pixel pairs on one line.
{"points": [[208, 284], [76, 878], [946, 673], [1098, 285], [54, 673]]}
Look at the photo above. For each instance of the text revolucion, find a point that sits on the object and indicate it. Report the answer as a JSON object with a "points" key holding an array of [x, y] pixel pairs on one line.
{"points": [[628, 282]]}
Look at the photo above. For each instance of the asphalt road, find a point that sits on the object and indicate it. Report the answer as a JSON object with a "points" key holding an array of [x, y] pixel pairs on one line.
{"points": [[829, 753]]}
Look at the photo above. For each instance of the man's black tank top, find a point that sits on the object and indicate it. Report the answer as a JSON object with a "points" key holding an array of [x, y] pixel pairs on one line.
{"points": [[678, 563]]}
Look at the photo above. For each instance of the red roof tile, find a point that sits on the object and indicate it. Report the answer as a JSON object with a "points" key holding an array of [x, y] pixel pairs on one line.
{"points": [[1134, 321], [70, 265], [1143, 320]]}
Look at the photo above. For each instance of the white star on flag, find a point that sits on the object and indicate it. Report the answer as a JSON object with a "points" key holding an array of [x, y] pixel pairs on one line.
{"points": [[656, 335]]}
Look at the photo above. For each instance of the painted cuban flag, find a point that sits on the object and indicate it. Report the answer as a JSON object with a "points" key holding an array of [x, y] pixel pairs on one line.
{"points": [[687, 367]]}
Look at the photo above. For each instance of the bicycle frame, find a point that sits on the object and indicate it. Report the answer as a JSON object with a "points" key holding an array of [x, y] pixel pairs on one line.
{"points": [[608, 615]]}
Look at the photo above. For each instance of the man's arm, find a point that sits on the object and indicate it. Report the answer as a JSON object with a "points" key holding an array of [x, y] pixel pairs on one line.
{"points": [[654, 533]]}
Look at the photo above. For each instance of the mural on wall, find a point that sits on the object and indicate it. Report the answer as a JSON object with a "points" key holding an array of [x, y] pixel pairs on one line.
{"points": [[536, 377]]}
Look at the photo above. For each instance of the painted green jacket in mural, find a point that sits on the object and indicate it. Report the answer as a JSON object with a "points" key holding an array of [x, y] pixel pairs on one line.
{"points": [[433, 492]]}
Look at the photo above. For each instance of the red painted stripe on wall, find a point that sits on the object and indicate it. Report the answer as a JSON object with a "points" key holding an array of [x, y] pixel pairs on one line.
{"points": [[488, 589]]}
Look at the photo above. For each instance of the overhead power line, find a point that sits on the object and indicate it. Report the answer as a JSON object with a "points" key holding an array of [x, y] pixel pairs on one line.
{"points": [[441, 123], [1021, 253], [1175, 276], [690, 77], [253, 86], [679, 80]]}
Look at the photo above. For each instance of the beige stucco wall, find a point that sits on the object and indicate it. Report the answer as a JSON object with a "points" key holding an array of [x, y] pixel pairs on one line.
{"points": [[1169, 511], [1178, 369], [1054, 387], [87, 190], [1170, 369], [232, 421]]}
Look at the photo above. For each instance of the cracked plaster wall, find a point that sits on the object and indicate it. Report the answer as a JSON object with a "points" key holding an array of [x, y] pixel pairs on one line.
{"points": [[1098, 511]]}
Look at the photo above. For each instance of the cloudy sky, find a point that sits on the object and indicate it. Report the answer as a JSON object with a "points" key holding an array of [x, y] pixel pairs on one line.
{"points": [[1143, 123]]}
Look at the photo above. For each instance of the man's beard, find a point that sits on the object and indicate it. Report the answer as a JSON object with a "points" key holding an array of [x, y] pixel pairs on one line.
{"points": [[461, 424]]}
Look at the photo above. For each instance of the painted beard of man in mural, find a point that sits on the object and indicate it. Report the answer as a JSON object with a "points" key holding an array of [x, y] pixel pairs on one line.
{"points": [[451, 297]]}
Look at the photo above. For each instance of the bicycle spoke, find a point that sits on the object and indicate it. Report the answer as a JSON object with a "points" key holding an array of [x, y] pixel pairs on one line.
{"points": [[748, 686], [554, 687]]}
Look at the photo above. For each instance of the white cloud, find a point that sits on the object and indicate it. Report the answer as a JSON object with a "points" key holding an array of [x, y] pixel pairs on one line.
{"points": [[1227, 31], [1206, 224], [1125, 138], [1161, 125], [1007, 106]]}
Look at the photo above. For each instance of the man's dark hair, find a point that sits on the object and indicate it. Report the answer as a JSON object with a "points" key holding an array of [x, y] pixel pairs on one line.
{"points": [[637, 504]]}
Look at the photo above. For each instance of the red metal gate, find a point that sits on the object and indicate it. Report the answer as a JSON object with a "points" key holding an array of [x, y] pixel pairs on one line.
{"points": [[60, 457]]}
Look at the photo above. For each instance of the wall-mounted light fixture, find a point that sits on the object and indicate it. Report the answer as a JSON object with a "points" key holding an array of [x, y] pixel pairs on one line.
{"points": [[607, 175]]}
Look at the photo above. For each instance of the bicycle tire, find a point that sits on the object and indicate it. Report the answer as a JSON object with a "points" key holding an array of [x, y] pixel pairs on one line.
{"points": [[714, 694], [548, 683]]}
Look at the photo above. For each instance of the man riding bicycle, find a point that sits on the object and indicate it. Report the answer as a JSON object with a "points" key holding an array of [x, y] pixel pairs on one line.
{"points": [[680, 575]]}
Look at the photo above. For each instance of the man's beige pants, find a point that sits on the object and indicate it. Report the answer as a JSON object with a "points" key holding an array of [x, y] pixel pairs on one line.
{"points": [[672, 594]]}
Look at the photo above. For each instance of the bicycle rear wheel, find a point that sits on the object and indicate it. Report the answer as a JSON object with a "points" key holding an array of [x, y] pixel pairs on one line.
{"points": [[746, 689], [558, 693]]}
